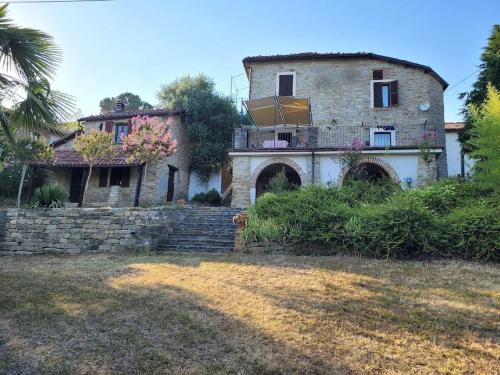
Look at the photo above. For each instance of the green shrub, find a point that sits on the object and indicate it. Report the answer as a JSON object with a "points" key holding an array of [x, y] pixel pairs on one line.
{"points": [[472, 233], [200, 197], [279, 183], [11, 176], [212, 196], [48, 196], [445, 195], [396, 229]]}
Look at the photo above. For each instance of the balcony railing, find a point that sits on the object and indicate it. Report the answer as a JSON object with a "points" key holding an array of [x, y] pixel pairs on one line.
{"points": [[310, 137]]}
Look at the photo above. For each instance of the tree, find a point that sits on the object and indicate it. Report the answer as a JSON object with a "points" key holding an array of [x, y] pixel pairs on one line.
{"points": [[92, 147], [23, 152], [489, 74], [486, 138], [210, 119], [29, 59], [150, 140], [132, 102]]}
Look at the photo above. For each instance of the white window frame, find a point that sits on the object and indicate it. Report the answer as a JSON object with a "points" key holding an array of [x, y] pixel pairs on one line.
{"points": [[372, 95], [380, 130], [294, 74]]}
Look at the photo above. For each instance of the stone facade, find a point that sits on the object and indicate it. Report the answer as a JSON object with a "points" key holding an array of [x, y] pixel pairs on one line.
{"points": [[154, 186], [74, 230]]}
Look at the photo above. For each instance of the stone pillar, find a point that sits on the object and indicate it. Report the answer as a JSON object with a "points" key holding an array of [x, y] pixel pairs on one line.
{"points": [[241, 176], [114, 197]]}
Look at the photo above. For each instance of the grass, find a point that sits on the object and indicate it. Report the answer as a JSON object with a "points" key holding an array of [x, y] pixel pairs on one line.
{"points": [[247, 314]]}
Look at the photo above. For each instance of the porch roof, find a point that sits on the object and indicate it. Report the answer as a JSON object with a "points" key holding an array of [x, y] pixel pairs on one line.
{"points": [[72, 159], [280, 110]]}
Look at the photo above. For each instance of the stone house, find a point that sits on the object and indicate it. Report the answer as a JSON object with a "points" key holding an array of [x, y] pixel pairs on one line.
{"points": [[307, 107], [166, 181]]}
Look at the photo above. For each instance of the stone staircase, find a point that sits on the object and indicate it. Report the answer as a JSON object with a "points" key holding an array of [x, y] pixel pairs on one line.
{"points": [[204, 229]]}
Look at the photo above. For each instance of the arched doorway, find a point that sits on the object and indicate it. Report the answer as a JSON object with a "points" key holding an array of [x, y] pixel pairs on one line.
{"points": [[367, 171], [262, 183]]}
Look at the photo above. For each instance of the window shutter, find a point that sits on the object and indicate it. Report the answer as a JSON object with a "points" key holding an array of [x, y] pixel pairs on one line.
{"points": [[377, 95], [109, 126], [285, 85], [103, 177], [125, 181], [394, 94]]}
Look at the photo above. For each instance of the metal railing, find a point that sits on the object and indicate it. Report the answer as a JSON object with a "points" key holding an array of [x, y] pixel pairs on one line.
{"points": [[329, 136]]}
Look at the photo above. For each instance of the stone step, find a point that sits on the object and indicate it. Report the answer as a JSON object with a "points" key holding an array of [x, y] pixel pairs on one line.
{"points": [[195, 248], [213, 242]]}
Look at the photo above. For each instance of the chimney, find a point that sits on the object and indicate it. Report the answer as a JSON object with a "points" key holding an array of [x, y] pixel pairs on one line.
{"points": [[119, 106]]}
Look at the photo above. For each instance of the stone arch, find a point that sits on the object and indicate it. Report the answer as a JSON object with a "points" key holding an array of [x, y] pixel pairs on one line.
{"points": [[388, 168], [277, 160]]}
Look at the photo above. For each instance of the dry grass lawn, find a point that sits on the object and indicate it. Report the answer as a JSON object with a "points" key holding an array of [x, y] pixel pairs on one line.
{"points": [[247, 314]]}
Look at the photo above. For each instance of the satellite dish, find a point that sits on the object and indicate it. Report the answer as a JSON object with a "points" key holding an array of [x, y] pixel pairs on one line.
{"points": [[424, 107]]}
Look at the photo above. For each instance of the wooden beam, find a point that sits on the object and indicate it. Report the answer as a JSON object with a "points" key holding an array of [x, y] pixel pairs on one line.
{"points": [[138, 186]]}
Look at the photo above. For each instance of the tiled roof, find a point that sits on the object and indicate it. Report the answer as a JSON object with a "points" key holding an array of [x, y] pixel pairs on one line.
{"points": [[129, 114], [70, 158], [453, 126], [340, 55]]}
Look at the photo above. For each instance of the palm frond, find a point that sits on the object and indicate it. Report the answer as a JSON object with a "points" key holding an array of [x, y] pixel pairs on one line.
{"points": [[43, 110]]}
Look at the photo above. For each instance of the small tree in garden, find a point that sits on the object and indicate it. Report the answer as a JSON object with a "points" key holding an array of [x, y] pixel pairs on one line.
{"points": [[279, 183], [149, 140], [427, 143], [92, 147], [485, 138], [23, 152], [350, 159]]}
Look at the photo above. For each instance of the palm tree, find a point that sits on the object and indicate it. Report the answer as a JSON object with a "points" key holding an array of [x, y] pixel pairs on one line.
{"points": [[29, 58]]}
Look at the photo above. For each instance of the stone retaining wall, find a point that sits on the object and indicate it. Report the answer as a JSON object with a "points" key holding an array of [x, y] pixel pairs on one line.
{"points": [[75, 230]]}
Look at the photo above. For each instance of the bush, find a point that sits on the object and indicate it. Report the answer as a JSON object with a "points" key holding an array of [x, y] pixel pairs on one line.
{"points": [[11, 176], [48, 196], [396, 229], [212, 196], [472, 233], [446, 195]]}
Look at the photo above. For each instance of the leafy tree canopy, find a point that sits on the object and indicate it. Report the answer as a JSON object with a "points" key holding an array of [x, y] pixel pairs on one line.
{"points": [[489, 73], [486, 138], [210, 119], [132, 102]]}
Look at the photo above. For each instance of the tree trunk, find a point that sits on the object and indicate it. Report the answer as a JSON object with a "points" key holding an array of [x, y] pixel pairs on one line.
{"points": [[145, 183], [86, 184], [20, 190]]}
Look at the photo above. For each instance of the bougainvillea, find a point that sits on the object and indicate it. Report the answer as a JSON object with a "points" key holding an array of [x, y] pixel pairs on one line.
{"points": [[150, 139]]}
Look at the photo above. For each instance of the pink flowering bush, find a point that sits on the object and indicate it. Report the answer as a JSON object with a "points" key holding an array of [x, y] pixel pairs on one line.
{"points": [[351, 157], [150, 139]]}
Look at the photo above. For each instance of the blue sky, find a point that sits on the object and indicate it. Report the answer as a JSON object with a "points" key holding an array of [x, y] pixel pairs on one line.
{"points": [[138, 45]]}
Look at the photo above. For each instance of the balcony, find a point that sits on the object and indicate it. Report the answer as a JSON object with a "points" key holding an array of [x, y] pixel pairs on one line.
{"points": [[290, 137]]}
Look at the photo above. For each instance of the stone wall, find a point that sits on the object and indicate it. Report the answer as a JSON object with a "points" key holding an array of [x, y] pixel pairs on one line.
{"points": [[75, 230]]}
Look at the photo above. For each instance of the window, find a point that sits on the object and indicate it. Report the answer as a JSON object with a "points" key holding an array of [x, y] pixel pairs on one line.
{"points": [[120, 177], [121, 129], [385, 94], [285, 137], [383, 137], [285, 84]]}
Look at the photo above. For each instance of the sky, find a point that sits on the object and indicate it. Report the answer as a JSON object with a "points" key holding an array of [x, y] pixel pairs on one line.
{"points": [[138, 45]]}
